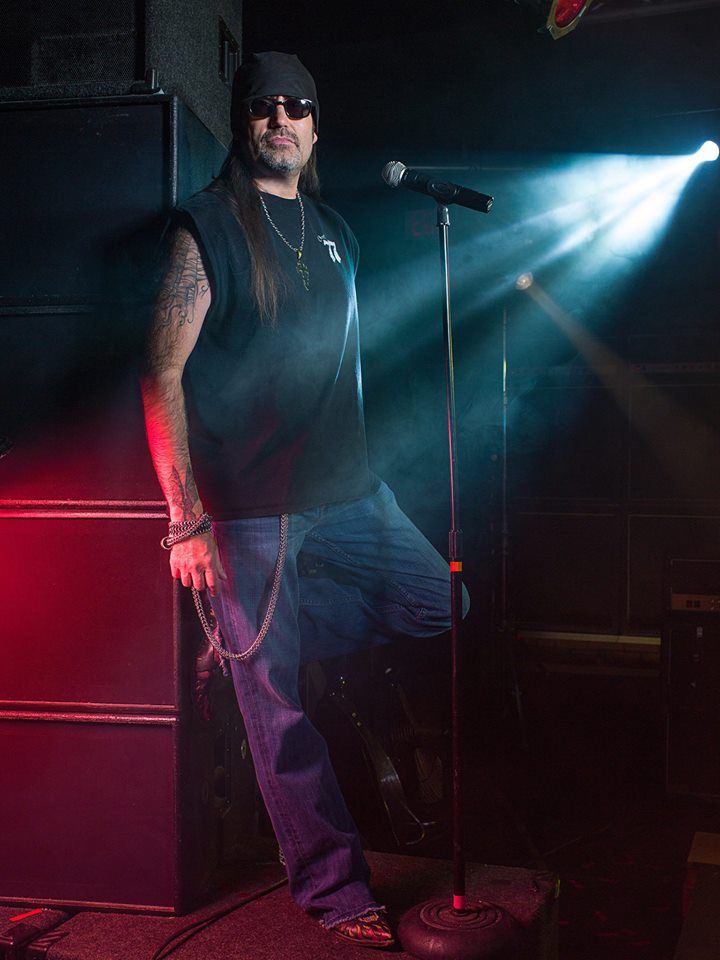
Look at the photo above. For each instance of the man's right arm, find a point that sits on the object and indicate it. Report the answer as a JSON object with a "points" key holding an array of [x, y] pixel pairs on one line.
{"points": [[180, 311]]}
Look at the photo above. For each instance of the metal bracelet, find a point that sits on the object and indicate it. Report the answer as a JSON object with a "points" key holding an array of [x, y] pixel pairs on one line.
{"points": [[184, 529]]}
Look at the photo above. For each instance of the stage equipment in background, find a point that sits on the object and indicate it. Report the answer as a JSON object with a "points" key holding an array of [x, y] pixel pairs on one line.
{"points": [[56, 49], [595, 514], [691, 663], [366, 718], [456, 926], [557, 17], [122, 787]]}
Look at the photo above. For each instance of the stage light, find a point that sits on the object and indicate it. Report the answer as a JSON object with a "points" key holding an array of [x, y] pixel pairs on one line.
{"points": [[708, 151], [558, 17], [586, 221], [524, 281]]}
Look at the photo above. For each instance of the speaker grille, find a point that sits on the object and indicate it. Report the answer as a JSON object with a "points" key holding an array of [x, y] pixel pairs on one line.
{"points": [[77, 58], [72, 41], [80, 49]]}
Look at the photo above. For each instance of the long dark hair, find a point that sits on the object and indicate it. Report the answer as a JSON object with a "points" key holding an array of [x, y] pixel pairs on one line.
{"points": [[235, 185]]}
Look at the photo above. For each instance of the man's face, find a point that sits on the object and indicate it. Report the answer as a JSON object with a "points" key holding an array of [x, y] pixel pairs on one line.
{"points": [[279, 144]]}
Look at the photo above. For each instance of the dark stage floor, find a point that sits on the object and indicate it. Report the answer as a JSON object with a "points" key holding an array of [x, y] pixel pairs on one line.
{"points": [[585, 799]]}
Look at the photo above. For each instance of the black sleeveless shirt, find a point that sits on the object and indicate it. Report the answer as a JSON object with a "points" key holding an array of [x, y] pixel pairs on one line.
{"points": [[275, 415]]}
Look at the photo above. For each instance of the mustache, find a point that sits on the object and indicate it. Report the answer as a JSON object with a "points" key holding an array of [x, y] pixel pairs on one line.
{"points": [[280, 132]]}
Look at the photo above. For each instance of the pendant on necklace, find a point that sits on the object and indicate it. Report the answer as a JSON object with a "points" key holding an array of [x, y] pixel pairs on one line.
{"points": [[302, 270]]}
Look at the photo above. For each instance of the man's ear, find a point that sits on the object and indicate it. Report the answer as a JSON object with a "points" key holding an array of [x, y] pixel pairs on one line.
{"points": [[315, 138]]}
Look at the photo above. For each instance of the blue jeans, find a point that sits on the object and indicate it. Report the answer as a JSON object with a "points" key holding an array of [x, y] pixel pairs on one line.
{"points": [[379, 578]]}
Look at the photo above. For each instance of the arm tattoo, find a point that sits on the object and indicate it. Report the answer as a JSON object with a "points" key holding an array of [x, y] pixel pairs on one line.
{"points": [[185, 494], [184, 298], [184, 282]]}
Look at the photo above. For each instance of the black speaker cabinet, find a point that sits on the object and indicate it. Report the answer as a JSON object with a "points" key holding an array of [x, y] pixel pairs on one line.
{"points": [[674, 450], [651, 539], [87, 190], [83, 183], [691, 657], [75, 49], [116, 792], [564, 570]]}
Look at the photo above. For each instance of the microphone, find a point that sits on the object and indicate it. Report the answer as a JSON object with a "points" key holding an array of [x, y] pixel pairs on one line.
{"points": [[396, 174]]}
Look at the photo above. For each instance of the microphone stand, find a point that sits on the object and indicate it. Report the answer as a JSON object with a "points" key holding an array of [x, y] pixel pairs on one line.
{"points": [[456, 927]]}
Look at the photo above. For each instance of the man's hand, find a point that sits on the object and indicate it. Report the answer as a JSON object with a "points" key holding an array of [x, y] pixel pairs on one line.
{"points": [[196, 563]]}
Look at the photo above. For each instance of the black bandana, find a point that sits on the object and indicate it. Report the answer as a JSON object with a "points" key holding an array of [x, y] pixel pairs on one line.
{"points": [[267, 74]]}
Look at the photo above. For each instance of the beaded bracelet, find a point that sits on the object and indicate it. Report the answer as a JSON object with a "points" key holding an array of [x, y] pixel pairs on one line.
{"points": [[184, 529]]}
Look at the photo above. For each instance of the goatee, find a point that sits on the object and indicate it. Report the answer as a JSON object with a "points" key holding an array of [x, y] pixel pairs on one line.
{"points": [[279, 161]]}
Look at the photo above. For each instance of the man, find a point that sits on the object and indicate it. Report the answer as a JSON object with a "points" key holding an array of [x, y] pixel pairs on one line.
{"points": [[254, 375]]}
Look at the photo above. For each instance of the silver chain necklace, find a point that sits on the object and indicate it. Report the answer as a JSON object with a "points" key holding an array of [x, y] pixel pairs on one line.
{"points": [[300, 264]]}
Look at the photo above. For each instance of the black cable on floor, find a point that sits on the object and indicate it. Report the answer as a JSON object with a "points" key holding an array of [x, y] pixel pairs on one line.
{"points": [[579, 839], [186, 933]]}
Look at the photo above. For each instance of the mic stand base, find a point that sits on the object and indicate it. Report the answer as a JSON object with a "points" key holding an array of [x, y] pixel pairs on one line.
{"points": [[435, 930]]}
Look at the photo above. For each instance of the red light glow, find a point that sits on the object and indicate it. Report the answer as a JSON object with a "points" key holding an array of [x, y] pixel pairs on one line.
{"points": [[566, 11]]}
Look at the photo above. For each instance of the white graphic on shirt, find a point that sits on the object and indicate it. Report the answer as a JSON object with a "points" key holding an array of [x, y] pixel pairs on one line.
{"points": [[331, 248]]}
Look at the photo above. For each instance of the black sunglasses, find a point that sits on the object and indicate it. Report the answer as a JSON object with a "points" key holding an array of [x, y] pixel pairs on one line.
{"points": [[296, 109]]}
